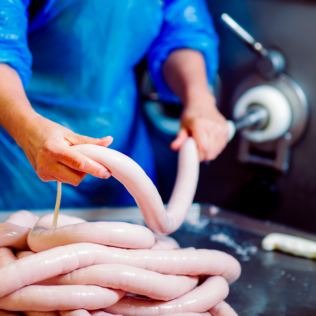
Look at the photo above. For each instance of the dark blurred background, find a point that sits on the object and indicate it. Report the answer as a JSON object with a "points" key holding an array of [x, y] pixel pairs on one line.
{"points": [[261, 192]]}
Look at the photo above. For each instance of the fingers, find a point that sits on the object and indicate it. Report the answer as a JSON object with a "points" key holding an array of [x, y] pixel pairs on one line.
{"points": [[105, 141], [77, 161], [65, 164], [210, 137], [211, 140], [217, 138], [54, 157], [76, 139], [180, 139]]}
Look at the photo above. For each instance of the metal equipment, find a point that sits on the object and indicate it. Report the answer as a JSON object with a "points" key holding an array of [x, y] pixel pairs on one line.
{"points": [[274, 99]]}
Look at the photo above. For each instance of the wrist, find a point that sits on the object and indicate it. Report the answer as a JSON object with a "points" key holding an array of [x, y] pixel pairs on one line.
{"points": [[200, 100], [24, 126]]}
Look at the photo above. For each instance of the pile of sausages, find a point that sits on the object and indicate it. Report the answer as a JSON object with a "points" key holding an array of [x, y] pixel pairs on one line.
{"points": [[107, 268], [114, 268]]}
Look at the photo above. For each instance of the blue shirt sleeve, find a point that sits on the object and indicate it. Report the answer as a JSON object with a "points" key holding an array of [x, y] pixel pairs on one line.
{"points": [[14, 50], [186, 24]]}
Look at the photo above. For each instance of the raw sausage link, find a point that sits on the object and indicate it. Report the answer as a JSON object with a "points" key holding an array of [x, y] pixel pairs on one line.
{"points": [[12, 235], [6, 256], [23, 218], [202, 298], [133, 177], [63, 297], [123, 235], [134, 280], [64, 259], [13, 232], [117, 268]]}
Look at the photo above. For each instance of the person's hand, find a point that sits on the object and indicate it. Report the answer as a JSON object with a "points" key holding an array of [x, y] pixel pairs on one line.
{"points": [[202, 121], [48, 147]]}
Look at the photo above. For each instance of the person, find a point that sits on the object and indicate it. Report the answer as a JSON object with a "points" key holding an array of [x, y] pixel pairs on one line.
{"points": [[67, 77]]}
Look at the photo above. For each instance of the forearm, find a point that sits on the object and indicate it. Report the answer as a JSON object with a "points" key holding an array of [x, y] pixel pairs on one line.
{"points": [[185, 73], [15, 109], [46, 144]]}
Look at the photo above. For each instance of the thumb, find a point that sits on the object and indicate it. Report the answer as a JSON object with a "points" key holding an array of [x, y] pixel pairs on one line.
{"points": [[77, 139], [180, 139]]}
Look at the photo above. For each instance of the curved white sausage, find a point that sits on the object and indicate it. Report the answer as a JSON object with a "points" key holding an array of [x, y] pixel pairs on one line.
{"points": [[52, 298], [23, 218], [130, 279], [211, 292], [122, 235], [13, 232], [6, 256], [12, 235], [61, 260], [133, 177]]}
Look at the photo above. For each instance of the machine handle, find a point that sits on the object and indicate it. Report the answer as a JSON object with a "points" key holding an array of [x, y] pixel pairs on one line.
{"points": [[244, 35], [272, 61]]}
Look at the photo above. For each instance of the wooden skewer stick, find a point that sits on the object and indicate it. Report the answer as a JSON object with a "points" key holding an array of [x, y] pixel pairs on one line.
{"points": [[57, 204]]}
